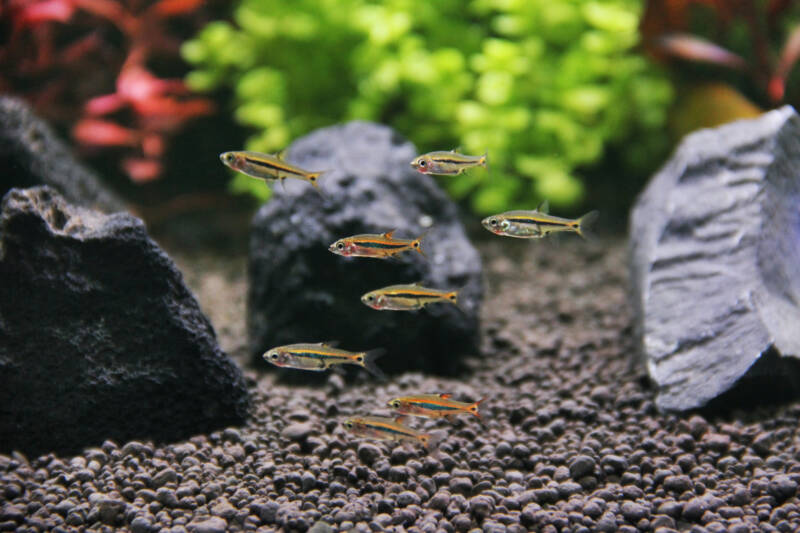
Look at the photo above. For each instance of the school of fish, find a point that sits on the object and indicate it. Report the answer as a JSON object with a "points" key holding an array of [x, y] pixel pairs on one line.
{"points": [[322, 356]]}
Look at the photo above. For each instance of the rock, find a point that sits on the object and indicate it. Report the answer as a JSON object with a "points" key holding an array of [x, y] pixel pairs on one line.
{"points": [[213, 524], [38, 157], [101, 338], [715, 266], [298, 431], [301, 291], [581, 466]]}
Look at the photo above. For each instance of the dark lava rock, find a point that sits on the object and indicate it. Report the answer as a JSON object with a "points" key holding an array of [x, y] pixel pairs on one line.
{"points": [[715, 266], [31, 154], [301, 292], [99, 337]]}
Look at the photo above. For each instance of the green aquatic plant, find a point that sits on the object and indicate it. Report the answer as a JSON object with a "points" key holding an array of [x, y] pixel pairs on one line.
{"points": [[545, 87]]}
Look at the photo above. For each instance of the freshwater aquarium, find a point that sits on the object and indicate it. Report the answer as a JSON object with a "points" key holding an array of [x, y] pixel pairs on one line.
{"points": [[360, 265]]}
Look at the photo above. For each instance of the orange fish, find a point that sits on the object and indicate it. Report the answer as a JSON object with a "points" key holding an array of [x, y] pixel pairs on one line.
{"points": [[433, 406], [375, 245]]}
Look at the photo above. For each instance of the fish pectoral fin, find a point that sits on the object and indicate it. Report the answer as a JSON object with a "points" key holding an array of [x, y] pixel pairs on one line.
{"points": [[400, 418], [388, 234], [281, 156], [445, 396], [456, 150]]}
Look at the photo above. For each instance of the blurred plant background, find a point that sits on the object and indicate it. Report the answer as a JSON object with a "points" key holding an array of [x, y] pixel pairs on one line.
{"points": [[577, 101], [546, 87]]}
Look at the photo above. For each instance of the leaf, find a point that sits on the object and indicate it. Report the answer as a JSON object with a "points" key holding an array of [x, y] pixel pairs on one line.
{"points": [[788, 58], [696, 49]]}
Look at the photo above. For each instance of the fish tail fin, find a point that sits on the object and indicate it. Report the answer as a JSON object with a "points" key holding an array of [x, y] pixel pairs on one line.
{"points": [[313, 178], [485, 160], [417, 243], [368, 363], [474, 407], [585, 227], [432, 440]]}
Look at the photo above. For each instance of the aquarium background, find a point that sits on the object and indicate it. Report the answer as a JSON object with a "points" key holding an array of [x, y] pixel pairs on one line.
{"points": [[576, 101]]}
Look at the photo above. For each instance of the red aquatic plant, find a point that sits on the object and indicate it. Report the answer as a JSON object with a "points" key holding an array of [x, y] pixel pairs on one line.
{"points": [[766, 35], [88, 65]]}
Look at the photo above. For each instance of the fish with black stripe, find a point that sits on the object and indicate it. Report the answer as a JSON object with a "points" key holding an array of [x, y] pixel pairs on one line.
{"points": [[381, 246], [450, 163], [267, 167], [407, 297], [322, 356], [433, 406], [382, 428], [538, 223]]}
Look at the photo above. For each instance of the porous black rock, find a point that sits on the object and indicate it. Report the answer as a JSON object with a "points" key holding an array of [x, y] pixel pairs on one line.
{"points": [[715, 266], [31, 154], [99, 337], [301, 292]]}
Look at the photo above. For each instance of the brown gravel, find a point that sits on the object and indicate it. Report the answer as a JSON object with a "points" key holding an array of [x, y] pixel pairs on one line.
{"points": [[571, 439]]}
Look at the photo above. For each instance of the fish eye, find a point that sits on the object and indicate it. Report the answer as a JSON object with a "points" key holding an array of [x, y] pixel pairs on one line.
{"points": [[228, 157], [370, 298], [493, 222], [340, 246], [422, 162], [396, 404], [273, 356], [348, 425]]}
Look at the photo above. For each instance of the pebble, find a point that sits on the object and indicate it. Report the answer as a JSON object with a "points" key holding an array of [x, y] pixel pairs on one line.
{"points": [[581, 465], [213, 524], [298, 431]]}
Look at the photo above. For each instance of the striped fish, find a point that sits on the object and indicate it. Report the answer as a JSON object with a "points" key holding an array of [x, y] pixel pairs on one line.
{"points": [[379, 427], [433, 406], [537, 224], [322, 356], [407, 297], [448, 163], [267, 167], [374, 245]]}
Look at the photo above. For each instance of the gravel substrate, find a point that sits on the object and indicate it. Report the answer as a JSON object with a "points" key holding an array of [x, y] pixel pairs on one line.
{"points": [[571, 439]]}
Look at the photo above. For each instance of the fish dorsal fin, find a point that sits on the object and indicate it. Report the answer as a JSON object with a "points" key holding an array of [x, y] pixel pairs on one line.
{"points": [[329, 344], [416, 284], [445, 396], [544, 207], [388, 234], [281, 156], [456, 150]]}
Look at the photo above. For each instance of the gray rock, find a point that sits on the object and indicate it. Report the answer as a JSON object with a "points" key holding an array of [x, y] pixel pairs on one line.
{"points": [[101, 339], [715, 266], [31, 154], [299, 291], [213, 524], [581, 466]]}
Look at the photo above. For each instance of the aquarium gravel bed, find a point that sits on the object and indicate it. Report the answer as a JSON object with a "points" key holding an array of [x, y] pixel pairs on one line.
{"points": [[570, 439]]}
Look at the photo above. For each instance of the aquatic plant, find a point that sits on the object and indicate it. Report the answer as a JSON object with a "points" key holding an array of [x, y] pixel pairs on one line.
{"points": [[65, 53], [545, 87], [729, 60]]}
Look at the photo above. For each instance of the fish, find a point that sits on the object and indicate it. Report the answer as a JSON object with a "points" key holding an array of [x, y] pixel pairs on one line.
{"points": [[382, 428], [267, 167], [407, 297], [382, 245], [322, 356], [433, 406], [538, 223], [449, 163]]}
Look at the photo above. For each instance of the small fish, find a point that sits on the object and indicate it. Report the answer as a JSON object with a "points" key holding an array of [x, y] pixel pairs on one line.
{"points": [[433, 406], [379, 427], [322, 356], [373, 245], [267, 167], [407, 297], [448, 163], [537, 223]]}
